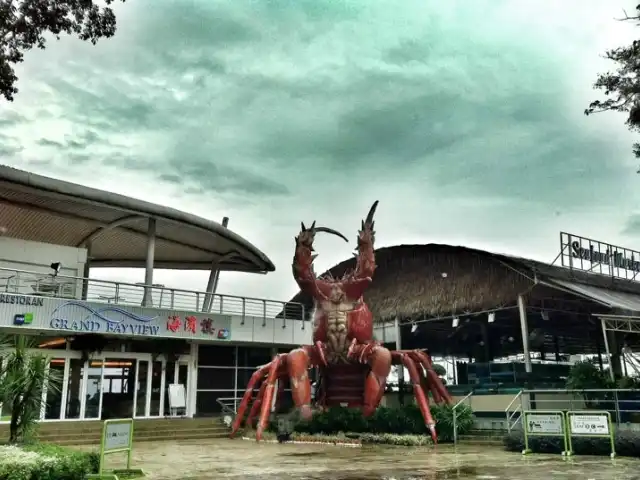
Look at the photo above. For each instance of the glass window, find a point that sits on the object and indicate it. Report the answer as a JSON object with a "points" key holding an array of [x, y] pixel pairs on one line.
{"points": [[141, 400], [74, 388], [254, 356], [94, 390], [216, 378], [53, 398], [207, 402], [217, 355], [156, 382]]}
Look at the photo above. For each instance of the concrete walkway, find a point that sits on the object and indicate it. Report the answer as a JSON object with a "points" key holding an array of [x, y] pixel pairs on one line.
{"points": [[223, 458]]}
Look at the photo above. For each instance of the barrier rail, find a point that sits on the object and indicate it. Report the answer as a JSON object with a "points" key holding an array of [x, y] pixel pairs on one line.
{"points": [[518, 411], [622, 404], [455, 415], [25, 282], [229, 404]]}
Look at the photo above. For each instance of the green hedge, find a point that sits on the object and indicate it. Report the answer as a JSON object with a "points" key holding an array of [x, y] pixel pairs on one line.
{"points": [[46, 462], [405, 420], [627, 444]]}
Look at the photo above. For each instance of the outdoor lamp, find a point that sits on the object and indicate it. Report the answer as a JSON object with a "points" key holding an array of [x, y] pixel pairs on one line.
{"points": [[56, 268]]}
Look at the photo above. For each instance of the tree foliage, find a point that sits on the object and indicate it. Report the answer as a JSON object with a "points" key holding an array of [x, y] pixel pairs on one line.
{"points": [[23, 377], [24, 24], [622, 87]]}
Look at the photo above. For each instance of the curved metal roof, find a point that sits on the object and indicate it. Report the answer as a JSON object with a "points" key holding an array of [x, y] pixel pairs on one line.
{"points": [[43, 209]]}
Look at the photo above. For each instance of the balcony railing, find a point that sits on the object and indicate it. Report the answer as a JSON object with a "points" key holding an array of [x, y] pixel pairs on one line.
{"points": [[25, 282]]}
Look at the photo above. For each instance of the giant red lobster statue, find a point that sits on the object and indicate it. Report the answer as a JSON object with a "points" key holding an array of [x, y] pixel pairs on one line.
{"points": [[353, 367]]}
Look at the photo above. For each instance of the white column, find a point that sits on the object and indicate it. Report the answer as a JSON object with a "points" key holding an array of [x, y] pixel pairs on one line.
{"points": [[65, 387], [136, 362], [606, 347], [147, 399], [524, 327], [147, 301], [163, 379], [83, 389], [193, 379], [214, 276]]}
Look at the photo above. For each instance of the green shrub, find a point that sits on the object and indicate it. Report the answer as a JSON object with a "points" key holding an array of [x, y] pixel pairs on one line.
{"points": [[405, 420], [627, 444], [46, 462]]}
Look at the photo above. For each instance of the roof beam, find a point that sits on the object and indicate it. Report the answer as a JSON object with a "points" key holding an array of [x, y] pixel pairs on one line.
{"points": [[105, 228]]}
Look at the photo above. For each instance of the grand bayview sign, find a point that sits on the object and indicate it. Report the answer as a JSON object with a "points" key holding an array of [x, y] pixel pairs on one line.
{"points": [[585, 254], [78, 316]]}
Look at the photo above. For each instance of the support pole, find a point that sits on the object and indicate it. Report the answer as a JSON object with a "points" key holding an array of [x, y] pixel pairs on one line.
{"points": [[85, 273], [524, 327], [214, 276], [400, 367], [606, 347], [147, 300]]}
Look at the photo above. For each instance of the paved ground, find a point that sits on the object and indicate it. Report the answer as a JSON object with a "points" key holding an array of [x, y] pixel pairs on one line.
{"points": [[242, 459]]}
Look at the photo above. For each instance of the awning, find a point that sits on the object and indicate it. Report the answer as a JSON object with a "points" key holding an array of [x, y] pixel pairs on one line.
{"points": [[604, 296]]}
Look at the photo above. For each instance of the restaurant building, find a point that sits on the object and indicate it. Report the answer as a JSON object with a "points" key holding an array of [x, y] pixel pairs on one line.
{"points": [[131, 350]]}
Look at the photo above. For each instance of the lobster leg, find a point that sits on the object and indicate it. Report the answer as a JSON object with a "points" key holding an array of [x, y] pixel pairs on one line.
{"points": [[298, 363], [379, 360], [255, 408], [421, 398], [427, 385], [258, 375], [423, 359], [267, 398]]}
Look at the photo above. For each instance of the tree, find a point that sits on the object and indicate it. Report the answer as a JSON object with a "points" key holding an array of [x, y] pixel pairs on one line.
{"points": [[23, 376], [25, 23], [622, 86]]}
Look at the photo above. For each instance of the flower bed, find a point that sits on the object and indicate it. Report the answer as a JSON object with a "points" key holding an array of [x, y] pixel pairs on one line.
{"points": [[45, 462], [388, 423], [350, 439]]}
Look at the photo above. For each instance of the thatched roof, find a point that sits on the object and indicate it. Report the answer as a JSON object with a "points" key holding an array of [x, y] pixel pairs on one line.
{"points": [[429, 281]]}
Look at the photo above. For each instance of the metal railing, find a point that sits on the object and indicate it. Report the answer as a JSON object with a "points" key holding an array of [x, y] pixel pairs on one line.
{"points": [[622, 404], [229, 405], [23, 282], [511, 414], [454, 412]]}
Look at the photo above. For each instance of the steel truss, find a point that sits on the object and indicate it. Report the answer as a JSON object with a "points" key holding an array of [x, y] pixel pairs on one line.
{"points": [[617, 323]]}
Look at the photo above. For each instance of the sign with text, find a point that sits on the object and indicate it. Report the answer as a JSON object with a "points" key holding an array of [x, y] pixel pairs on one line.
{"points": [[585, 254], [77, 316], [587, 424], [590, 423], [544, 423], [118, 435]]}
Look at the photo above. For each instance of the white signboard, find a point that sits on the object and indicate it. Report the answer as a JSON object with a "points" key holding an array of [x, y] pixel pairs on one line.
{"points": [[177, 396], [544, 423], [596, 424], [117, 435]]}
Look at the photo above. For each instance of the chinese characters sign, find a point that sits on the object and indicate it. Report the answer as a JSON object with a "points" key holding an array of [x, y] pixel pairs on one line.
{"points": [[190, 324]]}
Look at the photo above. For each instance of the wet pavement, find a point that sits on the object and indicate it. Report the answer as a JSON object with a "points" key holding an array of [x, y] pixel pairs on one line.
{"points": [[243, 459]]}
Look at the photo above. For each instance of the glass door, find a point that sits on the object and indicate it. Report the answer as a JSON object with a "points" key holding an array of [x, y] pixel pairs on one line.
{"points": [[93, 393], [157, 386], [142, 399]]}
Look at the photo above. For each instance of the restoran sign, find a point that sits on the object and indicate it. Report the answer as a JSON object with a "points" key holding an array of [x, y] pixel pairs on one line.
{"points": [[585, 254]]}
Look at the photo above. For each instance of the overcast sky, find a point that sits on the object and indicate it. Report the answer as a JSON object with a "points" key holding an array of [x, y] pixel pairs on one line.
{"points": [[464, 118]]}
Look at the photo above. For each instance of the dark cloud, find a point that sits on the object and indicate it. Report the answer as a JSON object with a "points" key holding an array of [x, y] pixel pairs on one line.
{"points": [[273, 99]]}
